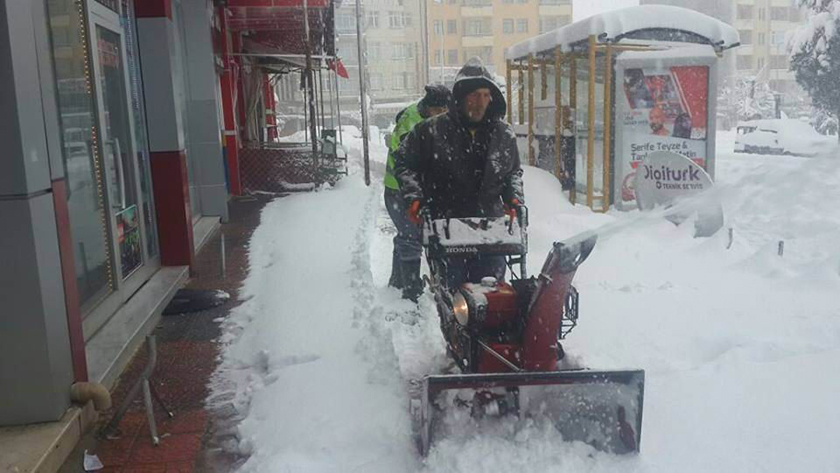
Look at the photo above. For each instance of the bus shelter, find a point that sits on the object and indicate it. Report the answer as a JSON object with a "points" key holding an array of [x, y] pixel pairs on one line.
{"points": [[590, 100]]}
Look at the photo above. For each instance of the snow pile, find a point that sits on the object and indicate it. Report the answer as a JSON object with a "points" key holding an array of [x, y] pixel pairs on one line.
{"points": [[627, 20], [741, 346]]}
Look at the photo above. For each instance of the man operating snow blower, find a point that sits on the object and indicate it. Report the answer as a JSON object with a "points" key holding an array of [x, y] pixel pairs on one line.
{"points": [[405, 262], [463, 164], [461, 176]]}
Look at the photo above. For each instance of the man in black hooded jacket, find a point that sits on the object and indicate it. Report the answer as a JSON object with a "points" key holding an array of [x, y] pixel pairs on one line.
{"points": [[464, 163]]}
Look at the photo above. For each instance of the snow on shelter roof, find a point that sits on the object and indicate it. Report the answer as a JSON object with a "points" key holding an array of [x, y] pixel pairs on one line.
{"points": [[632, 22]]}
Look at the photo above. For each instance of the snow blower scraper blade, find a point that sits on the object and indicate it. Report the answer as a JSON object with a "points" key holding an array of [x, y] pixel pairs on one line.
{"points": [[600, 408]]}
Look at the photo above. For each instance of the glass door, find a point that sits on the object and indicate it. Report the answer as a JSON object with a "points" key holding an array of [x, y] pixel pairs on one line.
{"points": [[122, 172]]}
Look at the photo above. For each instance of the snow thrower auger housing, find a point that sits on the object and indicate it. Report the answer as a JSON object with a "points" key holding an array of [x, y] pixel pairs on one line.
{"points": [[505, 338]]}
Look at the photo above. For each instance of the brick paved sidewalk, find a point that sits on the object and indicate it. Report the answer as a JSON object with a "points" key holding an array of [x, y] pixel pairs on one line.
{"points": [[187, 355]]}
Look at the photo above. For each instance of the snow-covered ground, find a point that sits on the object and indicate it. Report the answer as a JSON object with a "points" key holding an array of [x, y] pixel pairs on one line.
{"points": [[741, 346]]}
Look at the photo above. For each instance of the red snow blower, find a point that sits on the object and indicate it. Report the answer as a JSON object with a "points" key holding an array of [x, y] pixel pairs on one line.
{"points": [[505, 338]]}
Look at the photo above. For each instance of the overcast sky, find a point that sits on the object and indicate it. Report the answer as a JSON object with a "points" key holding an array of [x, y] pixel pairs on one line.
{"points": [[585, 8]]}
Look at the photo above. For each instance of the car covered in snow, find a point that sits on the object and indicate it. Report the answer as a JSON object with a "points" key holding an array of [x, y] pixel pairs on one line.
{"points": [[780, 136]]}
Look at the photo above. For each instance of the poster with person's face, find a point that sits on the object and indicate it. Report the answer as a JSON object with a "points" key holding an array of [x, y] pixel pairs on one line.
{"points": [[128, 236], [662, 109]]}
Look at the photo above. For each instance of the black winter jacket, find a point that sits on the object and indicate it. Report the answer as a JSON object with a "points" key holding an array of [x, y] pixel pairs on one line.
{"points": [[457, 173]]}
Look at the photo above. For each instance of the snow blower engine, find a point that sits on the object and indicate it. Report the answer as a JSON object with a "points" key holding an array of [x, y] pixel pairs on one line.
{"points": [[505, 338]]}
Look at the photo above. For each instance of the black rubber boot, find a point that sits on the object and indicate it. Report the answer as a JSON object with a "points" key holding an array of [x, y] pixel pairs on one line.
{"points": [[412, 284], [396, 272]]}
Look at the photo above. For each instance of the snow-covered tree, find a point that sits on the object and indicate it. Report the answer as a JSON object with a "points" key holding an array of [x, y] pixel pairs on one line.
{"points": [[746, 97], [814, 50], [823, 122]]}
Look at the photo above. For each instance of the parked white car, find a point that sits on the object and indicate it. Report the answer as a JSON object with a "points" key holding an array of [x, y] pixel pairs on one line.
{"points": [[781, 136]]}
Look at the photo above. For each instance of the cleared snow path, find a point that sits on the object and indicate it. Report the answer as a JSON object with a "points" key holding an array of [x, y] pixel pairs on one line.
{"points": [[317, 382]]}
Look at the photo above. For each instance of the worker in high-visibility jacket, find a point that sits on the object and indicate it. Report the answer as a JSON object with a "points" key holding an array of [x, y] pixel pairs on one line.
{"points": [[405, 262]]}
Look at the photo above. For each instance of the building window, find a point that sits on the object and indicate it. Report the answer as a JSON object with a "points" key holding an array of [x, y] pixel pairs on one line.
{"points": [[402, 51], [437, 57], [507, 26], [451, 26], [778, 61], [376, 81], [745, 12], [398, 20], [345, 23], [452, 57], [761, 38], [743, 63], [746, 36], [522, 25], [777, 38], [521, 1], [403, 81], [507, 2], [762, 13], [550, 23], [779, 13], [555, 2], [374, 51], [372, 19], [484, 53], [760, 63], [477, 3], [350, 54], [478, 27], [438, 27]]}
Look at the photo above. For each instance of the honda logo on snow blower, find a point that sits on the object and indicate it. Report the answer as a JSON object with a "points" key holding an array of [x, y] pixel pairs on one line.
{"points": [[462, 249]]}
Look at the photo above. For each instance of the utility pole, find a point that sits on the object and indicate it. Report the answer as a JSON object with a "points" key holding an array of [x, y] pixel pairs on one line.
{"points": [[363, 92]]}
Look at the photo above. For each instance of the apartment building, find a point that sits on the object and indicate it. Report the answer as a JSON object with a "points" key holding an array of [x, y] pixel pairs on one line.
{"points": [[763, 26], [460, 29]]}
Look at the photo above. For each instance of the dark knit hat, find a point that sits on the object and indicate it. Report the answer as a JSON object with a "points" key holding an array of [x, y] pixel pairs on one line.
{"points": [[437, 96]]}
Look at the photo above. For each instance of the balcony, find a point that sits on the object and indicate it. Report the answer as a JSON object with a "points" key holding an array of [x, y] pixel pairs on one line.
{"points": [[477, 41]]}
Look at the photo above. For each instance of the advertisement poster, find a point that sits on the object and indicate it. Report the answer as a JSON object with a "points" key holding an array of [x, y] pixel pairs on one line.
{"points": [[664, 178], [661, 110], [128, 236]]}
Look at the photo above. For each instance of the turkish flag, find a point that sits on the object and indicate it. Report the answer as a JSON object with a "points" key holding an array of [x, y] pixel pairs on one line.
{"points": [[338, 67]]}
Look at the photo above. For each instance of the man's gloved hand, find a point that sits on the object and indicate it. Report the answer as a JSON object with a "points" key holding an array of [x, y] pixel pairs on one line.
{"points": [[414, 213], [511, 208]]}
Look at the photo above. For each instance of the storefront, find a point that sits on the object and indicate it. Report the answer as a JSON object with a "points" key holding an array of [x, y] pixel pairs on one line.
{"points": [[113, 175]]}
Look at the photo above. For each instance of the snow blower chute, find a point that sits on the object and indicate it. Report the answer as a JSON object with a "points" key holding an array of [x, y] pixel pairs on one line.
{"points": [[505, 338]]}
